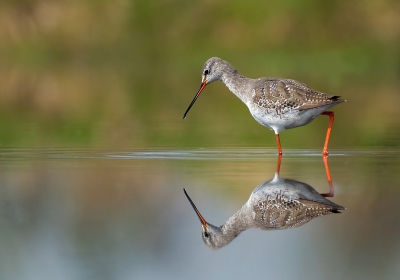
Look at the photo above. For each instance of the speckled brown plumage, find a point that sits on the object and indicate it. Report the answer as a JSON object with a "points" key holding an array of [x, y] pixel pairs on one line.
{"points": [[282, 212], [279, 96]]}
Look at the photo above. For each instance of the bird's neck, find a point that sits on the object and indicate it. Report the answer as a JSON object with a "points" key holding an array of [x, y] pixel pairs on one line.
{"points": [[237, 83], [234, 226]]}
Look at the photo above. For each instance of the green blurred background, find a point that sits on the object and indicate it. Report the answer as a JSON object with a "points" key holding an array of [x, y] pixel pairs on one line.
{"points": [[120, 74]]}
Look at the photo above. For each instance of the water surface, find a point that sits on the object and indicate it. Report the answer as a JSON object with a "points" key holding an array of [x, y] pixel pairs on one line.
{"points": [[122, 214]]}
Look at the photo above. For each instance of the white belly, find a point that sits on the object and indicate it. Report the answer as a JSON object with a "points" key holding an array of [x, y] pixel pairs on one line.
{"points": [[290, 119]]}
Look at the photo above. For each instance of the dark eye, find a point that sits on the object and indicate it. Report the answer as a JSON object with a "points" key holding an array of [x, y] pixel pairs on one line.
{"points": [[206, 72], [206, 235]]}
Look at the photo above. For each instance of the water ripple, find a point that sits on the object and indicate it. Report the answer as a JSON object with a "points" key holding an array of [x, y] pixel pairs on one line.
{"points": [[194, 154]]}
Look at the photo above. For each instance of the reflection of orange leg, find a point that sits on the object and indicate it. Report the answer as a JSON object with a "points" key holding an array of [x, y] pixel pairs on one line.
{"points": [[278, 165], [328, 133], [278, 140], [328, 176]]}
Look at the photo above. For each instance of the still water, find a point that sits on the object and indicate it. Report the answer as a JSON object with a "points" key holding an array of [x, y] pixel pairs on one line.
{"points": [[122, 214]]}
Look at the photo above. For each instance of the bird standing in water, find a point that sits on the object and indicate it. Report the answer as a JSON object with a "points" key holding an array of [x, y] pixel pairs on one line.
{"points": [[276, 103]]}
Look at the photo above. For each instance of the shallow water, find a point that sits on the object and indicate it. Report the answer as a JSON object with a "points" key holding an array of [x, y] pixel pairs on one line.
{"points": [[122, 214]]}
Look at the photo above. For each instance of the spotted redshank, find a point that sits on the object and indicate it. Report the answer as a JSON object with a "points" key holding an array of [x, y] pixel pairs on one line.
{"points": [[276, 204], [276, 103]]}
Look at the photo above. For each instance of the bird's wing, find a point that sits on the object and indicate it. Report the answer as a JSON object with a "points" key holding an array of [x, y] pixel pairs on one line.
{"points": [[277, 93]]}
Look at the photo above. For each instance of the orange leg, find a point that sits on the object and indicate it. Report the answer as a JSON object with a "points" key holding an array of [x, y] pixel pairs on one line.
{"points": [[325, 152], [328, 176], [278, 165], [278, 141]]}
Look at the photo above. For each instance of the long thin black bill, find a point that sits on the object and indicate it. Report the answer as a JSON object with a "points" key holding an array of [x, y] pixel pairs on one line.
{"points": [[202, 220], [202, 86]]}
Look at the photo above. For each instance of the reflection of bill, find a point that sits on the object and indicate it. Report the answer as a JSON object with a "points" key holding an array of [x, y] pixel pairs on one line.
{"points": [[275, 204]]}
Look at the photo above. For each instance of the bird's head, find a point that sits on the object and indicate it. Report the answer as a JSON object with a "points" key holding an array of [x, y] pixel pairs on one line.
{"points": [[211, 72]]}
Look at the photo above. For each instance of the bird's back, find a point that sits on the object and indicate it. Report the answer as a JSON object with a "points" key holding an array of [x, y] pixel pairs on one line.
{"points": [[282, 95], [284, 203], [282, 212]]}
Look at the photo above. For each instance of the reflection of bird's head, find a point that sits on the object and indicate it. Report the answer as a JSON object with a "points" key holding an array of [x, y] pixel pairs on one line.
{"points": [[212, 235]]}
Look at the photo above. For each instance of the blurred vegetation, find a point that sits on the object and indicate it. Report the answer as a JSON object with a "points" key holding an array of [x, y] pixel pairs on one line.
{"points": [[121, 73]]}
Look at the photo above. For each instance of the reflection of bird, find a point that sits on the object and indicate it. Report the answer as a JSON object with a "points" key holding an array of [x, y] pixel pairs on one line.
{"points": [[276, 103], [276, 204]]}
